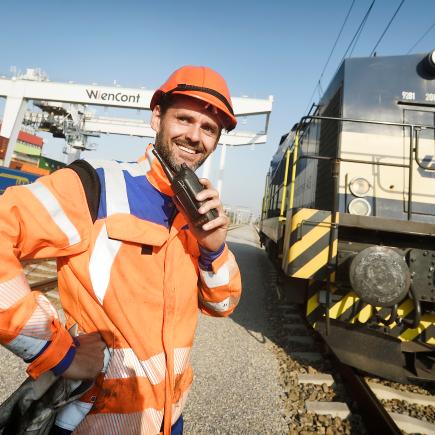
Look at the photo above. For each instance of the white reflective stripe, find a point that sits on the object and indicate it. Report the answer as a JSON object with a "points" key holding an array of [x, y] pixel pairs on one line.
{"points": [[155, 368], [13, 290], [147, 422], [26, 347], [136, 169], [39, 324], [181, 359], [221, 277], [54, 209], [116, 189], [100, 264], [71, 415], [219, 307], [125, 364]]}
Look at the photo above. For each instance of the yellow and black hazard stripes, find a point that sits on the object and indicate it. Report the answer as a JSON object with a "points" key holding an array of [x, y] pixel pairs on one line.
{"points": [[309, 244], [314, 309], [348, 308], [403, 329]]}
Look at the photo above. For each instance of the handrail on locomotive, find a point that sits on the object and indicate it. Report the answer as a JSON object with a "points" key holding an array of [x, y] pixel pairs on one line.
{"points": [[414, 130], [413, 140]]}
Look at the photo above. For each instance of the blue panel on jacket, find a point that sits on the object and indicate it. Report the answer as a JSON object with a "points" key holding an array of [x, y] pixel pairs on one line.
{"points": [[145, 201]]}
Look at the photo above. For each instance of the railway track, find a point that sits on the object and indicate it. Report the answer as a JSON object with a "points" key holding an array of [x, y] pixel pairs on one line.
{"points": [[234, 227], [323, 396], [42, 276]]}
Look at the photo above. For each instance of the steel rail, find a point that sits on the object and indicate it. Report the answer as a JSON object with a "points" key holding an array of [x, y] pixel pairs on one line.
{"points": [[375, 416], [234, 227], [44, 285]]}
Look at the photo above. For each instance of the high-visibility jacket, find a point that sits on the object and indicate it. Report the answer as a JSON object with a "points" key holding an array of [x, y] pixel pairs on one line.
{"points": [[130, 274]]}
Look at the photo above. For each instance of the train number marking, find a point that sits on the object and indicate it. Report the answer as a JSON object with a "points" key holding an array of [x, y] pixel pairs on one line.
{"points": [[429, 97], [408, 95]]}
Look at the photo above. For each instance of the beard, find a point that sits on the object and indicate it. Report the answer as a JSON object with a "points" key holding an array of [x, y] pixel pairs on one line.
{"points": [[165, 151]]}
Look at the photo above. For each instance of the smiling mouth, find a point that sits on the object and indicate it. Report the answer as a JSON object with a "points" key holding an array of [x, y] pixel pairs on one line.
{"points": [[187, 150]]}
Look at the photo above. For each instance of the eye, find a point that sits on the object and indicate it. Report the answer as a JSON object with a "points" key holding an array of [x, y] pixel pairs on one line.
{"points": [[183, 119], [210, 130]]}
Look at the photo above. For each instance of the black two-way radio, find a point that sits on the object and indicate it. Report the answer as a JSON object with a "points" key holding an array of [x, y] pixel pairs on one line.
{"points": [[186, 185]]}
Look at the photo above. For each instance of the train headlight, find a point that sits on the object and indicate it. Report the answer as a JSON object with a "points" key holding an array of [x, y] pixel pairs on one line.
{"points": [[359, 186], [380, 276], [360, 207], [428, 64]]}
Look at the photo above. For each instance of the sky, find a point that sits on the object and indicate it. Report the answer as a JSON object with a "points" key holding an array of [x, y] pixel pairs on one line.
{"points": [[262, 48]]}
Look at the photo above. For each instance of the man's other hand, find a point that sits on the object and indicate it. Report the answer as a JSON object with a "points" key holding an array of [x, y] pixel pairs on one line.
{"points": [[89, 358]]}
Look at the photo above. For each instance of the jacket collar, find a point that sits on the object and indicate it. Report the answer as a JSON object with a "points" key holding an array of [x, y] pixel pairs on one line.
{"points": [[156, 175], [127, 227]]}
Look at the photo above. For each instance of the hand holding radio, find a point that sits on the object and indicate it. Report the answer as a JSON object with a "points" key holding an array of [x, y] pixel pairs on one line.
{"points": [[212, 234], [200, 204]]}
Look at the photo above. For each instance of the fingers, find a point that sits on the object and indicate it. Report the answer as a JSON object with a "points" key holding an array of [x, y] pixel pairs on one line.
{"points": [[89, 357], [208, 192], [209, 205], [210, 197], [206, 183], [210, 200], [220, 222]]}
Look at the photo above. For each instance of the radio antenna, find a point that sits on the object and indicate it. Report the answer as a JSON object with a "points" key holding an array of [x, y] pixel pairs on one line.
{"points": [[165, 166]]}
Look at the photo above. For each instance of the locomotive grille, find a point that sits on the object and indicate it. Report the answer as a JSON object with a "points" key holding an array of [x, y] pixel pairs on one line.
{"points": [[328, 147]]}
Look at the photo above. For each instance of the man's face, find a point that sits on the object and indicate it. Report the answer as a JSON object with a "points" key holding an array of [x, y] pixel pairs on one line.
{"points": [[186, 133]]}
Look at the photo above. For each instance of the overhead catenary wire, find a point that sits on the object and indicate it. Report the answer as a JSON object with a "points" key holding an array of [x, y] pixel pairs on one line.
{"points": [[318, 84], [358, 32], [387, 27], [353, 43], [363, 23], [421, 38], [336, 41]]}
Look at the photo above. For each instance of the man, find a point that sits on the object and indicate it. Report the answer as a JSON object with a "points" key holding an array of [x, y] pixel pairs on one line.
{"points": [[132, 270]]}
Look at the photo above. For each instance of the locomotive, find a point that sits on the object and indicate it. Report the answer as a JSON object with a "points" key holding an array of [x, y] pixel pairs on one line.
{"points": [[348, 213]]}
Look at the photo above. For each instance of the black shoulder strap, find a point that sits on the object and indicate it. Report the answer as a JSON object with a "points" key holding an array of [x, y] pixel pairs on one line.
{"points": [[91, 184]]}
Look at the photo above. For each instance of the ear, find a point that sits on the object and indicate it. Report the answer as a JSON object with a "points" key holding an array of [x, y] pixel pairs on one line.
{"points": [[156, 118]]}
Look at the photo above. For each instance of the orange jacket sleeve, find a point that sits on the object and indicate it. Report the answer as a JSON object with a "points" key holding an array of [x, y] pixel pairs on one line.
{"points": [[45, 219], [220, 288]]}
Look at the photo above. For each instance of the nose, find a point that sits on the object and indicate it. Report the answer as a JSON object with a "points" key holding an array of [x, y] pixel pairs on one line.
{"points": [[193, 133]]}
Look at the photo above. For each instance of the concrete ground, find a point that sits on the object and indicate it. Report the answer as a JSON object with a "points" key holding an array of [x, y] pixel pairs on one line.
{"points": [[236, 388]]}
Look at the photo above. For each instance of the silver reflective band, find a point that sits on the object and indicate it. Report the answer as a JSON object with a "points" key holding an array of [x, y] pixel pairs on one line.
{"points": [[70, 416], [25, 347], [220, 278], [116, 188], [219, 307], [100, 264], [54, 209]]}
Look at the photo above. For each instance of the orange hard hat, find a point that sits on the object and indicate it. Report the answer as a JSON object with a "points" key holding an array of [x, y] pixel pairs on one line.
{"points": [[203, 83]]}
